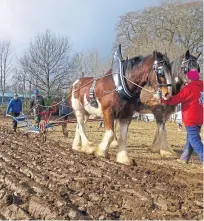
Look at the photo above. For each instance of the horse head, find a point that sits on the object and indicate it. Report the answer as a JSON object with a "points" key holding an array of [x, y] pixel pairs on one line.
{"points": [[181, 66], [162, 70], [190, 62]]}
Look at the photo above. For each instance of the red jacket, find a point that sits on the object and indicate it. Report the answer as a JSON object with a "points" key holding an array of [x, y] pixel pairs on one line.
{"points": [[191, 99]]}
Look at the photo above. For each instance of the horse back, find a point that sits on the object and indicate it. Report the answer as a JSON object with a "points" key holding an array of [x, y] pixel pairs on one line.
{"points": [[104, 93]]}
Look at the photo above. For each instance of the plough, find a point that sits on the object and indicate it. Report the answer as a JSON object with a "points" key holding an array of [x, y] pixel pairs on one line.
{"points": [[43, 127]]}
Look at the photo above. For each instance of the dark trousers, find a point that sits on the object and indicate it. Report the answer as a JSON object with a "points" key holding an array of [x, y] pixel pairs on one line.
{"points": [[15, 122], [193, 143]]}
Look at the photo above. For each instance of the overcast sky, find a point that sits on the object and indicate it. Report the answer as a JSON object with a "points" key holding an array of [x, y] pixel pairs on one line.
{"points": [[89, 24]]}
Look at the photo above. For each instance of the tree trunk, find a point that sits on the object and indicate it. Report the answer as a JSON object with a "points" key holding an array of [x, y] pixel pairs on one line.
{"points": [[2, 99]]}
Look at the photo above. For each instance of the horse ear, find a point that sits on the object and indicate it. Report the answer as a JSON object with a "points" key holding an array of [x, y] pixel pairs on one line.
{"points": [[187, 55], [155, 55]]}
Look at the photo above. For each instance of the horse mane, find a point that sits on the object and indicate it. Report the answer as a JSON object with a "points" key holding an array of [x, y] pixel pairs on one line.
{"points": [[135, 61], [129, 64]]}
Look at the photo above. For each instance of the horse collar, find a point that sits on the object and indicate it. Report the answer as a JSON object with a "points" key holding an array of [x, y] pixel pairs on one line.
{"points": [[119, 77]]}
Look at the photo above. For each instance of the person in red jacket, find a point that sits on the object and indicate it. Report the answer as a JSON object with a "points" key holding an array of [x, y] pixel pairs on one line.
{"points": [[191, 99]]}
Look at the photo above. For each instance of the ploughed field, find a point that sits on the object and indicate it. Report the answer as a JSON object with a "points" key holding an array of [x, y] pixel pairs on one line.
{"points": [[51, 181]]}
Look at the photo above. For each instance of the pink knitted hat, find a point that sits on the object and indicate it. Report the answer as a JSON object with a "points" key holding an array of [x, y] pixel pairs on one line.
{"points": [[193, 75]]}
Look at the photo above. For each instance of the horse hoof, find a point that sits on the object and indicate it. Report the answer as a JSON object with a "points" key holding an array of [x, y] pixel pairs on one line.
{"points": [[114, 144], [86, 147], [128, 162], [101, 154], [153, 150], [124, 159], [77, 148], [166, 153], [90, 150]]}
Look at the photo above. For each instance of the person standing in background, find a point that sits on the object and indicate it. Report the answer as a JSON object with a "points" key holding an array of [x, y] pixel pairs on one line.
{"points": [[37, 103], [63, 112], [15, 106]]}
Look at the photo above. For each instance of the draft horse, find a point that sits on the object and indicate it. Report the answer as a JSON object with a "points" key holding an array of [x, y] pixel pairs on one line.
{"points": [[179, 68], [116, 94]]}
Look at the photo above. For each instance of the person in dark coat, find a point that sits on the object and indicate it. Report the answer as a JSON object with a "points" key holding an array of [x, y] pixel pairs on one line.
{"points": [[64, 112], [36, 100], [15, 107]]}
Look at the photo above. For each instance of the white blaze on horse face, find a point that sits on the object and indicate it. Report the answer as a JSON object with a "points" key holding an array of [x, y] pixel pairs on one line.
{"points": [[168, 81], [176, 79], [92, 110]]}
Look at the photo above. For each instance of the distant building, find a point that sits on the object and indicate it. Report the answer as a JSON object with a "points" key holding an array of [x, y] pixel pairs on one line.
{"points": [[8, 96]]}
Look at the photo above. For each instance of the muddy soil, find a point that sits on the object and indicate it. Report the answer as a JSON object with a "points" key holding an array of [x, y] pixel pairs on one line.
{"points": [[50, 181]]}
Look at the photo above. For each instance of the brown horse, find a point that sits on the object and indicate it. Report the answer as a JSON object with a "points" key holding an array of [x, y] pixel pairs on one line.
{"points": [[179, 68], [152, 71]]}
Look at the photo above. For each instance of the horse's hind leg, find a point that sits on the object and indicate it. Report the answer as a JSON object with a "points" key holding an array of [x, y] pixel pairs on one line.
{"points": [[102, 150], [122, 156], [77, 140], [86, 118], [81, 129]]}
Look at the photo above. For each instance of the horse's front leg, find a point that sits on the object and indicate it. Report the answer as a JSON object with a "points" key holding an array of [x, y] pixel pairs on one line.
{"points": [[114, 143], [122, 156], [155, 148], [160, 143], [102, 150]]}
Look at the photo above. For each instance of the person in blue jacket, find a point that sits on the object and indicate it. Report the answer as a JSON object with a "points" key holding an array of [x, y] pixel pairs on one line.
{"points": [[15, 107]]}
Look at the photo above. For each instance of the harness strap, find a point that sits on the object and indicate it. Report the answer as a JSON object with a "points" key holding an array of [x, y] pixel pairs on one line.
{"points": [[165, 85], [93, 101]]}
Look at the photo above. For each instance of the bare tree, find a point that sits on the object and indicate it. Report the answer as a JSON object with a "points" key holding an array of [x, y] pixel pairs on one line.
{"points": [[80, 66], [87, 64], [47, 63], [5, 66], [95, 63], [172, 27], [106, 65]]}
